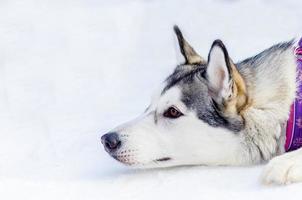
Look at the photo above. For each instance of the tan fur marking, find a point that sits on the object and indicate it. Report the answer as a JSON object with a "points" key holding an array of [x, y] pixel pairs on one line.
{"points": [[238, 100], [191, 55]]}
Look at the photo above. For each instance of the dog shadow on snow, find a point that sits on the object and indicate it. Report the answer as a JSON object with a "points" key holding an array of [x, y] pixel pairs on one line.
{"points": [[221, 175]]}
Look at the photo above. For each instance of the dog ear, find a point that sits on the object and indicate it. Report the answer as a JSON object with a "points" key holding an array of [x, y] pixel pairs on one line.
{"points": [[226, 85], [187, 51]]}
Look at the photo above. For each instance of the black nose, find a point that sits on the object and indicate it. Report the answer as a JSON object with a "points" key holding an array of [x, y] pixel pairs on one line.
{"points": [[111, 142]]}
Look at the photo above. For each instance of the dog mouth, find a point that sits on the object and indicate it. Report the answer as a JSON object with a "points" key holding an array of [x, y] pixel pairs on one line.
{"points": [[163, 159], [129, 157], [129, 161]]}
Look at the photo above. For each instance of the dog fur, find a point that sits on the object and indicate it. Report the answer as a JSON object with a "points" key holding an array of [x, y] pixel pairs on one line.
{"points": [[231, 114]]}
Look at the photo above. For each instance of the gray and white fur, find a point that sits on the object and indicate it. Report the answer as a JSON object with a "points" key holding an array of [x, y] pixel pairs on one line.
{"points": [[215, 112]]}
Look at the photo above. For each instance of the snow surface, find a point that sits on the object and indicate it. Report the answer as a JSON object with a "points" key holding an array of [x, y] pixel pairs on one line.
{"points": [[71, 70]]}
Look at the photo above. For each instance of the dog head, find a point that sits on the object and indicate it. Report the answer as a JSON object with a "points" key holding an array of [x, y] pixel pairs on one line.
{"points": [[195, 118]]}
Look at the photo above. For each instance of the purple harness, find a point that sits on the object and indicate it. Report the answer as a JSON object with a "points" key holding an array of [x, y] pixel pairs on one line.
{"points": [[294, 123]]}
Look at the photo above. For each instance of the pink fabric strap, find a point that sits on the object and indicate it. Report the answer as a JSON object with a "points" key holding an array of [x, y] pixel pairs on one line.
{"points": [[294, 123]]}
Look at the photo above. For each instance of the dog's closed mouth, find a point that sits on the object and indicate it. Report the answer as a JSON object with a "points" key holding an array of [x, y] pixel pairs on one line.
{"points": [[163, 159]]}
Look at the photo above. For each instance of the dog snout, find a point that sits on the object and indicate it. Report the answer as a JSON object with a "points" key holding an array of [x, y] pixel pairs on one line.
{"points": [[111, 142]]}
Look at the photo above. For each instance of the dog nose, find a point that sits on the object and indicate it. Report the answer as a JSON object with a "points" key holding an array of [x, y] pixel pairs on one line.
{"points": [[111, 142]]}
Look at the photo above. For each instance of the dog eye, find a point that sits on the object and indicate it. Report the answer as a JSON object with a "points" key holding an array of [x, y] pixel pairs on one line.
{"points": [[172, 112]]}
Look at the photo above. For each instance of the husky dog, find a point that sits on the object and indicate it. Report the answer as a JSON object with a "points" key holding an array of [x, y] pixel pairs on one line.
{"points": [[216, 112]]}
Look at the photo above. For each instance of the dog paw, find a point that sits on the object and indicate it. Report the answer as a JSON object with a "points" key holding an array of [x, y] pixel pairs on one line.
{"points": [[283, 169]]}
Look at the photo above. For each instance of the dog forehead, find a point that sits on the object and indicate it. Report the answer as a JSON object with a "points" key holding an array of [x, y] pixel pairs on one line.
{"points": [[170, 96], [183, 74], [175, 88]]}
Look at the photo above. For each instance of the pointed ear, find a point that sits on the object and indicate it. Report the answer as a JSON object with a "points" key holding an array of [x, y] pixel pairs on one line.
{"points": [[187, 51], [226, 85]]}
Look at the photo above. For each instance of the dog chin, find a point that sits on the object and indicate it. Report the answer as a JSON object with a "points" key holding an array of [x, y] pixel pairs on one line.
{"points": [[134, 163], [126, 160]]}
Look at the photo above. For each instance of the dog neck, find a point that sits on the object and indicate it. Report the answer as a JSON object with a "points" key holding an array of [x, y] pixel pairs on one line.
{"points": [[270, 79]]}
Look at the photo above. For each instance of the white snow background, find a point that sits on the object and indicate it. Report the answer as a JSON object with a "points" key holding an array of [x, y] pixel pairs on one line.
{"points": [[72, 70]]}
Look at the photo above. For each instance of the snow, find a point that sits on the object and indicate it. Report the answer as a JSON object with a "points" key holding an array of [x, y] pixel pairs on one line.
{"points": [[72, 70]]}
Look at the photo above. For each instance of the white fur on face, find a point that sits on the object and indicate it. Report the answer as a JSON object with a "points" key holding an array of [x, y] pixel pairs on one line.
{"points": [[186, 140]]}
